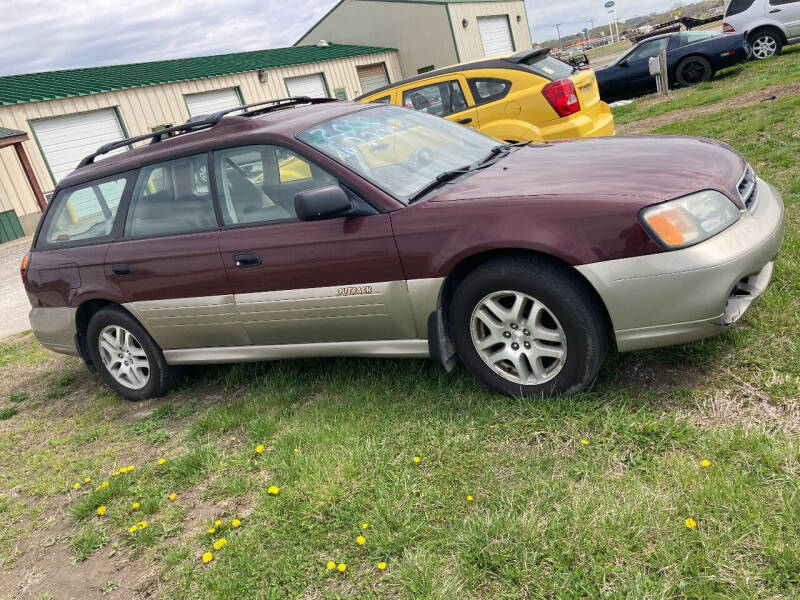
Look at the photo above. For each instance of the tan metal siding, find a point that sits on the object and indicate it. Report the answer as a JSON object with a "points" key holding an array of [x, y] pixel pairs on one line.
{"points": [[468, 39], [420, 32], [143, 108]]}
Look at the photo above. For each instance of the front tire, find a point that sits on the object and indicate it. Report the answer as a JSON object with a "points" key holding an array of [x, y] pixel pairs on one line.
{"points": [[529, 327], [693, 70], [765, 43], [127, 359]]}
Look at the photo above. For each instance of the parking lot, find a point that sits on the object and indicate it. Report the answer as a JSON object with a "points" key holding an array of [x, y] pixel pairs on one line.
{"points": [[675, 475]]}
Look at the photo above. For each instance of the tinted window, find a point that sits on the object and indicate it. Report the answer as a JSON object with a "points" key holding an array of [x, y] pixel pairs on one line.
{"points": [[489, 90], [84, 213], [738, 6], [171, 198], [257, 184], [384, 100], [440, 99], [647, 50], [782, 2], [549, 67]]}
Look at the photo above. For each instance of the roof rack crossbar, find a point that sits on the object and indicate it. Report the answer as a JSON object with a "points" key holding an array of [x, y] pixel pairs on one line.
{"points": [[203, 122]]}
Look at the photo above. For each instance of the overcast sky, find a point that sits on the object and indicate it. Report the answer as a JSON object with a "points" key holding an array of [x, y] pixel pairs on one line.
{"points": [[42, 35]]}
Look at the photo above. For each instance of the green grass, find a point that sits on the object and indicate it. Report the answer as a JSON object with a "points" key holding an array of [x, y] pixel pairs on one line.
{"points": [[729, 83], [7, 413], [550, 516]]}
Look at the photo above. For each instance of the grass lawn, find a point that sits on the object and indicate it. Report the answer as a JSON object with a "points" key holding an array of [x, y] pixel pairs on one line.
{"points": [[550, 515]]}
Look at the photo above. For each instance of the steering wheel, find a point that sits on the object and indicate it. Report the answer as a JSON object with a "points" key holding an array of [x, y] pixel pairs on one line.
{"points": [[421, 157]]}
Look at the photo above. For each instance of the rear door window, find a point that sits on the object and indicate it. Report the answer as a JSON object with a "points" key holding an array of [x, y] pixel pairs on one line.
{"points": [[440, 99], [738, 6], [489, 90], [84, 213], [171, 198]]}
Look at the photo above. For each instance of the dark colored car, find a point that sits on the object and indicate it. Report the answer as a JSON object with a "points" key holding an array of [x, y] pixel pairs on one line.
{"points": [[692, 57], [319, 228]]}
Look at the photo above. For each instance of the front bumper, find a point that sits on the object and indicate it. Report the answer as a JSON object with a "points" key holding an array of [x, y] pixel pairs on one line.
{"points": [[686, 295]]}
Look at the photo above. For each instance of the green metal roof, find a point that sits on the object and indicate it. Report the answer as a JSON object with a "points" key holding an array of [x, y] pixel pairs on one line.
{"points": [[5, 132], [50, 85]]}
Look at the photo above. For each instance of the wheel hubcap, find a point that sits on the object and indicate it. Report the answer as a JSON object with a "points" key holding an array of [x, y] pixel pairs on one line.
{"points": [[764, 47], [693, 72], [518, 337], [123, 357]]}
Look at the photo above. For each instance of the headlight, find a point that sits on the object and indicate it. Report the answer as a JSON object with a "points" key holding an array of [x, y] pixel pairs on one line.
{"points": [[689, 220]]}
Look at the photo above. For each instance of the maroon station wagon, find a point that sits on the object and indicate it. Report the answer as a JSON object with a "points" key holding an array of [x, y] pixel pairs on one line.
{"points": [[309, 228]]}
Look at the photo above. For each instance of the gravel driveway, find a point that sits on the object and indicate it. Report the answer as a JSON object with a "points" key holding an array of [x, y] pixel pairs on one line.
{"points": [[14, 305]]}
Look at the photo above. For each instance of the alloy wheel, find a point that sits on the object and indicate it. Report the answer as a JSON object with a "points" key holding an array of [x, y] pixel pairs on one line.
{"points": [[124, 357], [518, 337], [764, 47], [693, 72]]}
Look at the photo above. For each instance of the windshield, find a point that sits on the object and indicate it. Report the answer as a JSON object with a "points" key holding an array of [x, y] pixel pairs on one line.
{"points": [[399, 150]]}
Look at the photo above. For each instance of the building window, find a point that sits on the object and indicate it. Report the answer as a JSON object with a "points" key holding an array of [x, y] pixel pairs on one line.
{"points": [[427, 69], [340, 94]]}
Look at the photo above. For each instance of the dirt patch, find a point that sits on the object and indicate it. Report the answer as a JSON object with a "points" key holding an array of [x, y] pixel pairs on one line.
{"points": [[748, 99]]}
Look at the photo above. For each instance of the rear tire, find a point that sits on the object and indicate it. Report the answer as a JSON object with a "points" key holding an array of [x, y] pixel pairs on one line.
{"points": [[765, 43], [528, 327], [693, 70], [127, 359]]}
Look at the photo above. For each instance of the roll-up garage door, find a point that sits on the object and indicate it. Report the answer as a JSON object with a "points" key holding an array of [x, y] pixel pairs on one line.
{"points": [[66, 140], [206, 103], [372, 77], [495, 35], [312, 86]]}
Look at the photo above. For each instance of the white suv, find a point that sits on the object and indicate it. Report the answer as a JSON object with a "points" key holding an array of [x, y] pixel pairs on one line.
{"points": [[771, 24]]}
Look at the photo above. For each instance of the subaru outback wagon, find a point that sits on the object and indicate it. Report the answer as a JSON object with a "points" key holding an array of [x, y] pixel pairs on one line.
{"points": [[316, 228]]}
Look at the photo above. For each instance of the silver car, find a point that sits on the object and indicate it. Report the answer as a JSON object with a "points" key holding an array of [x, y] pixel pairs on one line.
{"points": [[770, 24]]}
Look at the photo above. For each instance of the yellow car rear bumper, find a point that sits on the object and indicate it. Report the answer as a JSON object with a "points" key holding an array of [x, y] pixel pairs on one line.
{"points": [[581, 125]]}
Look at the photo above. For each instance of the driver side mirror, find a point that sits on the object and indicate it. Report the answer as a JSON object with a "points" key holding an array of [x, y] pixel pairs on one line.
{"points": [[622, 63], [322, 203]]}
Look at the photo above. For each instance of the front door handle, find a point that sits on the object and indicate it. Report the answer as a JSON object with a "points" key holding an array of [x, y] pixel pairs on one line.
{"points": [[465, 121], [246, 259], [122, 270], [774, 10]]}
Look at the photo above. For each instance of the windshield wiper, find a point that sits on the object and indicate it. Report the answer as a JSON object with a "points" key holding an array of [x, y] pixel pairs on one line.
{"points": [[501, 150], [439, 180]]}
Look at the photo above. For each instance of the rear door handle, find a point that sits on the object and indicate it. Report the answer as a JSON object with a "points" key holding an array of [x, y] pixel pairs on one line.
{"points": [[122, 270], [465, 121], [246, 259]]}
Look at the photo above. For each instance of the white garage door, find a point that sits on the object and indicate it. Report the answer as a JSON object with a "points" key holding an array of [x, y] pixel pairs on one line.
{"points": [[372, 77], [495, 35], [206, 103], [312, 86], [66, 140]]}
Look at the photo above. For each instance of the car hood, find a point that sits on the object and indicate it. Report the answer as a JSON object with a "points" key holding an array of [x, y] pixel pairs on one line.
{"points": [[644, 170]]}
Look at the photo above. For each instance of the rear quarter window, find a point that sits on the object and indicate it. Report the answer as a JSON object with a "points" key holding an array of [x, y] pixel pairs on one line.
{"points": [[489, 90], [85, 213], [549, 67], [738, 6]]}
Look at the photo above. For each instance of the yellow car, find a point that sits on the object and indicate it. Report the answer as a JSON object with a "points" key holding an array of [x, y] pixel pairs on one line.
{"points": [[525, 97]]}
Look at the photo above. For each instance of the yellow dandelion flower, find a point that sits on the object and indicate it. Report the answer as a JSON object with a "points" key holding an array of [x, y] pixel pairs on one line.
{"points": [[76, 486], [132, 529], [417, 459], [115, 473], [259, 448], [217, 523], [235, 523], [104, 484], [131, 467], [361, 540], [690, 523], [135, 505], [585, 442], [296, 450], [233, 438], [273, 490], [365, 526], [101, 510], [161, 461], [208, 557], [381, 566], [331, 565], [470, 498], [220, 543], [142, 524], [211, 530], [173, 495], [87, 479], [342, 567], [705, 463]]}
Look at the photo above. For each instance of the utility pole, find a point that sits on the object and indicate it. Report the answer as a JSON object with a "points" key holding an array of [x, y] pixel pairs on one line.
{"points": [[558, 30]]}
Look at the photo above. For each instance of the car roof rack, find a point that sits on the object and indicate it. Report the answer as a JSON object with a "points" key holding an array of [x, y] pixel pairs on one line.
{"points": [[204, 122]]}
